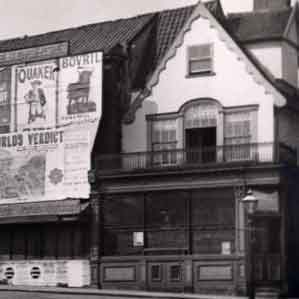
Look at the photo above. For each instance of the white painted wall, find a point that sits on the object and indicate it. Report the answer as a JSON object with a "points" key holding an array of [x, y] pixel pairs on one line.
{"points": [[231, 86], [269, 54], [74, 273]]}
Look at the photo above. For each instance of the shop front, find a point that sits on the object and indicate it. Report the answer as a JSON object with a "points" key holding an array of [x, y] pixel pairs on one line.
{"points": [[45, 244]]}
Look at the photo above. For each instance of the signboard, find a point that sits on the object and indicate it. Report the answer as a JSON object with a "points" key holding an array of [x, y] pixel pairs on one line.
{"points": [[73, 273], [53, 109], [33, 54], [36, 96], [80, 90]]}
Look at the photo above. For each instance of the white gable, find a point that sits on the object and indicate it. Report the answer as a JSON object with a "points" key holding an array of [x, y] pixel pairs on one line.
{"points": [[235, 82]]}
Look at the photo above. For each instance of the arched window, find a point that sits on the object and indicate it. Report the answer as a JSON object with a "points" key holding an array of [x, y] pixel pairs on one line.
{"points": [[202, 129]]}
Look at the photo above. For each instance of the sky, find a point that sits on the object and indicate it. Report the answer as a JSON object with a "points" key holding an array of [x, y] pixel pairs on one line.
{"points": [[27, 17]]}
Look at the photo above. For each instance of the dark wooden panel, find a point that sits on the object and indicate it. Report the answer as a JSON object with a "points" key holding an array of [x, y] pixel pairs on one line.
{"points": [[214, 272], [119, 274], [34, 54]]}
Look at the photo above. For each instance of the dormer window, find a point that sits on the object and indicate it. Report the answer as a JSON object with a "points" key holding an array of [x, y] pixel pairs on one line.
{"points": [[200, 59]]}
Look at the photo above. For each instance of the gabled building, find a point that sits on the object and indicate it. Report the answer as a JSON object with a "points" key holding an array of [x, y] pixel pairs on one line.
{"points": [[177, 114], [217, 115]]}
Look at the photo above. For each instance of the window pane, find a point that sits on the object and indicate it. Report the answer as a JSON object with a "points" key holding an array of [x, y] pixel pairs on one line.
{"points": [[166, 209], [213, 208], [200, 65], [199, 51], [123, 211], [4, 243], [175, 272]]}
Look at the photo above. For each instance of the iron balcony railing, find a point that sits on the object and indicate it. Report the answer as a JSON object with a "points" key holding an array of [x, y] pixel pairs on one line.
{"points": [[257, 152]]}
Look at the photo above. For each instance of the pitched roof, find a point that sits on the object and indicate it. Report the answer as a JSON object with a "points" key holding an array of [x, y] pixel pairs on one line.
{"points": [[95, 37], [169, 24], [106, 35], [258, 25]]}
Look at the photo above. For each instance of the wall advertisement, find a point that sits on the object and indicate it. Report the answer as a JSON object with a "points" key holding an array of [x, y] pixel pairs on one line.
{"points": [[73, 273], [52, 111]]}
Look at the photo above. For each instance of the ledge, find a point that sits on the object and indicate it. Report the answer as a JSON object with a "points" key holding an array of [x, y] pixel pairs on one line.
{"points": [[111, 293]]}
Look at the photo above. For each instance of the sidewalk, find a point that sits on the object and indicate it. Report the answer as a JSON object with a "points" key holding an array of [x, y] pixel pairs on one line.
{"points": [[111, 293]]}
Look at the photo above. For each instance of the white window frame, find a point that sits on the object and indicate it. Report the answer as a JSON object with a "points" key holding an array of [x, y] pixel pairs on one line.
{"points": [[203, 58]]}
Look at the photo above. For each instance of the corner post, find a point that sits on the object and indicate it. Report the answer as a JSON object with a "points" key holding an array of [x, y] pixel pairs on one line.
{"points": [[95, 230]]}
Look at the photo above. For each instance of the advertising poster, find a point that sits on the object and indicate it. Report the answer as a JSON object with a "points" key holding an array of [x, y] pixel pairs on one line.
{"points": [[36, 95], [31, 166], [80, 90], [54, 109], [76, 162], [5, 96]]}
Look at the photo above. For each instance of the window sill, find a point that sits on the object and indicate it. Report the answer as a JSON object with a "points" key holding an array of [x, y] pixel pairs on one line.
{"points": [[203, 74]]}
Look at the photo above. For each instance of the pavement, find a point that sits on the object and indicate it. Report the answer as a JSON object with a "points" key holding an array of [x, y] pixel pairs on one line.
{"points": [[26, 292]]}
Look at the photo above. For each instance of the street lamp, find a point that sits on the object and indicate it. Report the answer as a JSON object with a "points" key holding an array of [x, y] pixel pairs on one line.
{"points": [[250, 205]]}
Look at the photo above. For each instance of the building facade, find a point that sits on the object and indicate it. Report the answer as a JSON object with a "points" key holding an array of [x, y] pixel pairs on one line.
{"points": [[212, 121], [177, 114]]}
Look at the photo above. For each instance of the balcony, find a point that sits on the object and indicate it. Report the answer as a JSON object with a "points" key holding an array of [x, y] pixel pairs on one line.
{"points": [[178, 158]]}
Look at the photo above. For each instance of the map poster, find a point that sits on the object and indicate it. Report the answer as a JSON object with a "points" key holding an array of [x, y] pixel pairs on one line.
{"points": [[5, 96], [80, 91], [36, 95], [31, 166]]}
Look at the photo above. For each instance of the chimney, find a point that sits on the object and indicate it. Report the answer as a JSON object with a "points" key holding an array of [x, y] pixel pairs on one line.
{"points": [[271, 4]]}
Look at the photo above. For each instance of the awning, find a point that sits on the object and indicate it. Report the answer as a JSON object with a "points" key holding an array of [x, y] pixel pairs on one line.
{"points": [[49, 211]]}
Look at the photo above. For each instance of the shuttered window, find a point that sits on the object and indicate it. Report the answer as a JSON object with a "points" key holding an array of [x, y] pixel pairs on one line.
{"points": [[200, 59], [238, 136], [164, 141]]}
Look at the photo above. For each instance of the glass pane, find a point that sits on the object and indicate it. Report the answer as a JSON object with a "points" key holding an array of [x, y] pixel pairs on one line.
{"points": [[156, 272], [166, 239], [166, 209], [175, 272], [200, 65], [200, 51], [210, 208], [123, 211]]}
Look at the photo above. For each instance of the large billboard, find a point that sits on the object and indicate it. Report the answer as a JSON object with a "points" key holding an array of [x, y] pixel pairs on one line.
{"points": [[52, 110]]}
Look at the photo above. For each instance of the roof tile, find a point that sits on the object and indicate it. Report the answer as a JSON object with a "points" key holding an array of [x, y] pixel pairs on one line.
{"points": [[258, 25]]}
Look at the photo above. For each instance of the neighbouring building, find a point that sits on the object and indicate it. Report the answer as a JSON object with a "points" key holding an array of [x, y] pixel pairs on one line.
{"points": [[176, 114]]}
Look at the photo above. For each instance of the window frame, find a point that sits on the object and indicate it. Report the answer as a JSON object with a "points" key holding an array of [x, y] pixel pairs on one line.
{"points": [[203, 58]]}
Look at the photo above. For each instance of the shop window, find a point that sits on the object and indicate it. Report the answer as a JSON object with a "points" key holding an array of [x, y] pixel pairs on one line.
{"points": [[4, 244], [164, 142], [175, 272], [200, 59], [166, 220], [18, 245], [156, 273], [213, 220], [123, 216]]}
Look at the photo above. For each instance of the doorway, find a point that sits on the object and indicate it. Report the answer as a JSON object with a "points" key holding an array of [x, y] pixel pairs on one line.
{"points": [[267, 250], [201, 145]]}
